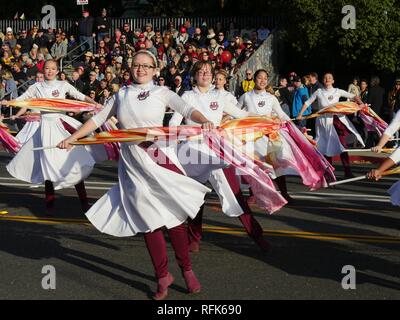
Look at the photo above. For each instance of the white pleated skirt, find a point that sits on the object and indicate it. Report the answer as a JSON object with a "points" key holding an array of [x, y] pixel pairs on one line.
{"points": [[27, 131], [327, 139], [202, 164], [64, 168], [147, 196]]}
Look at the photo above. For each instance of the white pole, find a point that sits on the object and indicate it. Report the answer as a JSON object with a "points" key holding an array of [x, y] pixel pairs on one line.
{"points": [[44, 148], [347, 180]]}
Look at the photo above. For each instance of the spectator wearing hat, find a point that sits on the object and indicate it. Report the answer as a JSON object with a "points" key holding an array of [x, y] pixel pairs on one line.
{"points": [[183, 36], [25, 42], [149, 33], [10, 38], [59, 48], [88, 58], [247, 52], [103, 25], [300, 96], [86, 31]]}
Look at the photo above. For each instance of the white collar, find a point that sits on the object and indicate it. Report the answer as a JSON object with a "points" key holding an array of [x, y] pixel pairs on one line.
{"points": [[196, 90], [146, 86], [50, 82]]}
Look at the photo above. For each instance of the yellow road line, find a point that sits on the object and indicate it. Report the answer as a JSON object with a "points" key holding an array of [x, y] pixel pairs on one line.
{"points": [[231, 231]]}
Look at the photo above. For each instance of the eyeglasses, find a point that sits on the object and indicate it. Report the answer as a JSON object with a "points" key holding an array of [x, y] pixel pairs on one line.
{"points": [[161, 79], [145, 67]]}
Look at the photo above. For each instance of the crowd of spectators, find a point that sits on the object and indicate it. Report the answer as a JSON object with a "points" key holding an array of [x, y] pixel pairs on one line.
{"points": [[107, 52]]}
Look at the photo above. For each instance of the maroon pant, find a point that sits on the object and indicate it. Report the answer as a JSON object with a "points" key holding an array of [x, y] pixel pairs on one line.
{"points": [[342, 132], [155, 240], [80, 187], [250, 224]]}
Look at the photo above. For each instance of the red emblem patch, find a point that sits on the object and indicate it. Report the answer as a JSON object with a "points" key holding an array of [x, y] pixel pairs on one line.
{"points": [[214, 105], [143, 95], [55, 93]]}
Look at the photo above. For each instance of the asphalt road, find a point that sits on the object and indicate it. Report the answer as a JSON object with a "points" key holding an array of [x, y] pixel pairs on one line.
{"points": [[352, 224]]}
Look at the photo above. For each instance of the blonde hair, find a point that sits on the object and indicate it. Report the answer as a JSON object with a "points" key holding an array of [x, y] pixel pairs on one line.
{"points": [[7, 75]]}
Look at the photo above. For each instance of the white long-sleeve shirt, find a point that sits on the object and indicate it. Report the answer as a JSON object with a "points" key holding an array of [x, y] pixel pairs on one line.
{"points": [[262, 103], [51, 89], [212, 104], [326, 97], [139, 106]]}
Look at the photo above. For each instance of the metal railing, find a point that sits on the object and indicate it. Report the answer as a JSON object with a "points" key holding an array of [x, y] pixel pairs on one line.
{"points": [[26, 84], [76, 49], [69, 26], [265, 57]]}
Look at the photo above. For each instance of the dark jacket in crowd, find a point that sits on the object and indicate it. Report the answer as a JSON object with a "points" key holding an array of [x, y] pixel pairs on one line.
{"points": [[106, 21], [311, 89], [78, 84], [91, 87], [376, 96], [86, 26], [41, 42], [25, 43]]}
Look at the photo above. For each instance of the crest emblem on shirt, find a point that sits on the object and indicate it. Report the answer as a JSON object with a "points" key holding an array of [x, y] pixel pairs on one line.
{"points": [[214, 105], [330, 98], [55, 93], [261, 104], [143, 95]]}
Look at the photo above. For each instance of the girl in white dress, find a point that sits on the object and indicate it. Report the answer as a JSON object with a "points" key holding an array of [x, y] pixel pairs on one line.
{"points": [[213, 103], [150, 195], [332, 130], [263, 102], [55, 168], [32, 124], [393, 159]]}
